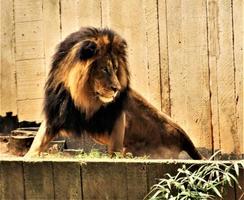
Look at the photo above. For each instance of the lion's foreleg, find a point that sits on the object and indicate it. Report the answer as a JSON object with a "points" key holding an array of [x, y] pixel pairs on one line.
{"points": [[117, 135], [40, 141]]}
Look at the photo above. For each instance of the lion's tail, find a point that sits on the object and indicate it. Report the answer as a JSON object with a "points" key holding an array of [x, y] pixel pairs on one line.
{"points": [[189, 147]]}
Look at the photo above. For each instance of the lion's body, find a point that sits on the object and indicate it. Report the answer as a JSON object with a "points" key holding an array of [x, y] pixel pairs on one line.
{"points": [[88, 91]]}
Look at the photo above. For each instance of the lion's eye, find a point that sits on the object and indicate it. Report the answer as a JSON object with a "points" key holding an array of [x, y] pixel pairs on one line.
{"points": [[105, 70], [115, 68]]}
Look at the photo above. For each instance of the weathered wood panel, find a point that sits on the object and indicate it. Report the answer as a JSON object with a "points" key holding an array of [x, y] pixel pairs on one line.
{"points": [[8, 72], [90, 13], [238, 32], [109, 182], [110, 179], [164, 61], [152, 51], [69, 17], [38, 180], [1, 58], [222, 70], [67, 184], [136, 180], [11, 180], [128, 19], [188, 68]]}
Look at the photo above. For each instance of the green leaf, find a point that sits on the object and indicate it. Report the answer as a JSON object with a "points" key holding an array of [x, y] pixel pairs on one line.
{"points": [[217, 191], [236, 167]]}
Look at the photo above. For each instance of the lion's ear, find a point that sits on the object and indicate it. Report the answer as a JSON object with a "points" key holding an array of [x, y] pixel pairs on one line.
{"points": [[88, 49]]}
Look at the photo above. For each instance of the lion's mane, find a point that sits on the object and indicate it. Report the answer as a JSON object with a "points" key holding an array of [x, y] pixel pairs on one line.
{"points": [[69, 103]]}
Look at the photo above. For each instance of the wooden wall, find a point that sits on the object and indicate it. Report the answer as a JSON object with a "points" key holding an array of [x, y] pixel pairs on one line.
{"points": [[88, 180], [185, 56]]}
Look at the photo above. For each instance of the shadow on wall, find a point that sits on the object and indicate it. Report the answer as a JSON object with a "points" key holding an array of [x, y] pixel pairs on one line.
{"points": [[10, 122]]}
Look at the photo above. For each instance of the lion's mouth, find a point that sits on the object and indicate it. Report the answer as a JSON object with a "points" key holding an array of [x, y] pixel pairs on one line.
{"points": [[107, 99]]}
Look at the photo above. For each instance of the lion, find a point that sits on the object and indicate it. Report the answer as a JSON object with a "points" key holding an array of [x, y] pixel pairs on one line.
{"points": [[88, 91]]}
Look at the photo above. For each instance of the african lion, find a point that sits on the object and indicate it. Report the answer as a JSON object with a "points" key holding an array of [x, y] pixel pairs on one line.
{"points": [[88, 91]]}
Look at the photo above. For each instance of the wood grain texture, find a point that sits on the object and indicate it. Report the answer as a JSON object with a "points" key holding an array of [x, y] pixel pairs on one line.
{"points": [[106, 181], [222, 70], [136, 181], [152, 51], [213, 48], [69, 17], [164, 61], [11, 180], [8, 72], [240, 192], [38, 178], [67, 184], [238, 31], [188, 69], [1, 62], [30, 79], [89, 13], [128, 19]]}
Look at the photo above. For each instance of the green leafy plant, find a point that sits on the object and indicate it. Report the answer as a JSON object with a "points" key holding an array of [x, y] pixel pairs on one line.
{"points": [[201, 183]]}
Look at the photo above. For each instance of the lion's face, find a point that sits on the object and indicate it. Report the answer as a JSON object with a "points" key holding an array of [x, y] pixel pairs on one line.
{"points": [[104, 78], [92, 66]]}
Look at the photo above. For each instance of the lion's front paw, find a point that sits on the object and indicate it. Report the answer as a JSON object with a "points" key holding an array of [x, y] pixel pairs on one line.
{"points": [[30, 155]]}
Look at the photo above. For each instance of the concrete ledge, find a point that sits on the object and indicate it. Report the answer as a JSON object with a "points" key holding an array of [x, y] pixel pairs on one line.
{"points": [[87, 179]]}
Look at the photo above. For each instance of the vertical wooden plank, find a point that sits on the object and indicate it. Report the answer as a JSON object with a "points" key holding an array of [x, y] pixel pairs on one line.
{"points": [[67, 184], [1, 181], [8, 82], [213, 46], [164, 62], [229, 193], [89, 13], [156, 171], [222, 70], [51, 29], [69, 17], [104, 180], [11, 180], [240, 192], [238, 31], [188, 69], [38, 178], [128, 19], [136, 181], [1, 58], [152, 51]]}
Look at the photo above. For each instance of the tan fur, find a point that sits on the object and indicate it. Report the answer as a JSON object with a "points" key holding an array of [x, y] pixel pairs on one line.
{"points": [[140, 128]]}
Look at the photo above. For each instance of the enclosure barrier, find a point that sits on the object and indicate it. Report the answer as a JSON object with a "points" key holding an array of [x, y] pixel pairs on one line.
{"points": [[72, 179]]}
